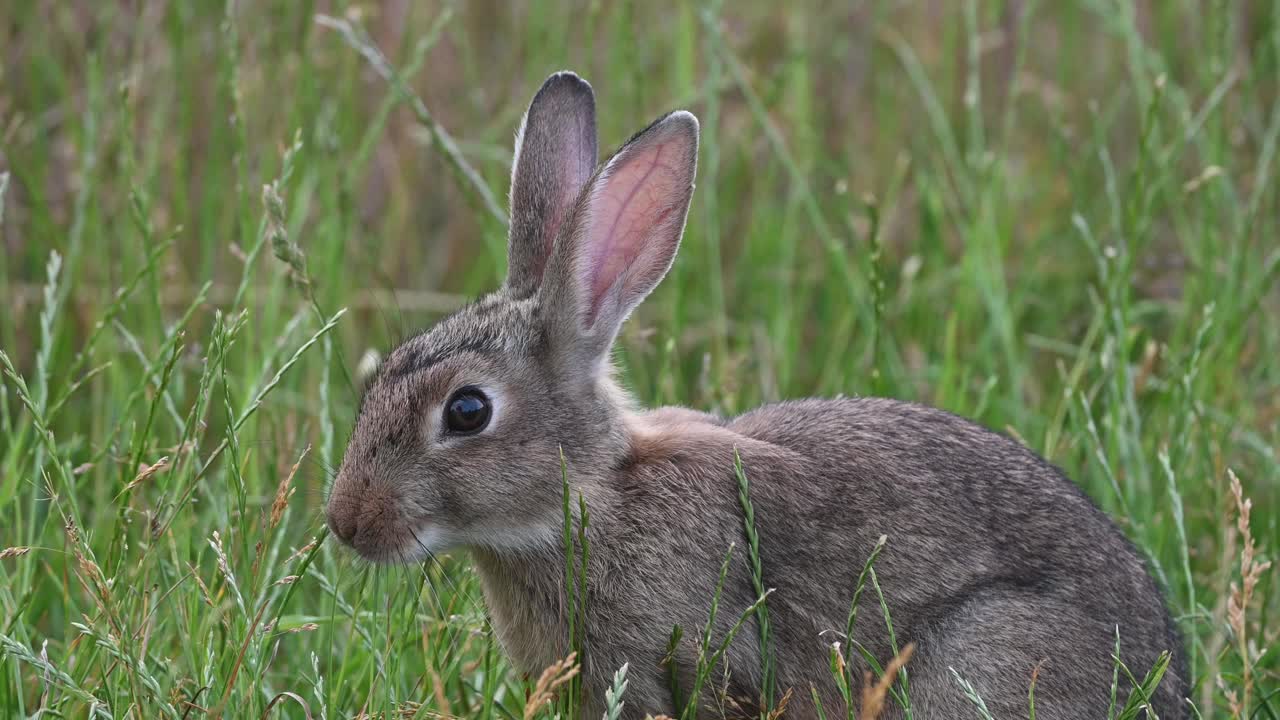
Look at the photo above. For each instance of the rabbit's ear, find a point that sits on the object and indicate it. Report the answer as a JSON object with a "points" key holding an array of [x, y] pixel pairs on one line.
{"points": [[555, 155], [622, 237]]}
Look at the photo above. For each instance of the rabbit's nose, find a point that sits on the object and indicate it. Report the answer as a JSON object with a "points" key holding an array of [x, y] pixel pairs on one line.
{"points": [[367, 518], [343, 526], [343, 515]]}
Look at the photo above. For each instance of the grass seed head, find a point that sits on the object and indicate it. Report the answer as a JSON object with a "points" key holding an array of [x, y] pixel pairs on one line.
{"points": [[874, 693]]}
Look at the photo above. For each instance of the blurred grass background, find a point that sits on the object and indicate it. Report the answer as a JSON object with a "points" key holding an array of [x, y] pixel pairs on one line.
{"points": [[1059, 218]]}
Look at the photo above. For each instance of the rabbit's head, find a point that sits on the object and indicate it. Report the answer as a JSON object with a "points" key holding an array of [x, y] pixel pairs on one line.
{"points": [[460, 433]]}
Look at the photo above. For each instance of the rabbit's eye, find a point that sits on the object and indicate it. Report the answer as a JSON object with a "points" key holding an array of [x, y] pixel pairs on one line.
{"points": [[467, 412]]}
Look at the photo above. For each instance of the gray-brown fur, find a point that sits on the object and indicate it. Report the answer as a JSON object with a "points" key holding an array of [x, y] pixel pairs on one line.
{"points": [[995, 562], [555, 155]]}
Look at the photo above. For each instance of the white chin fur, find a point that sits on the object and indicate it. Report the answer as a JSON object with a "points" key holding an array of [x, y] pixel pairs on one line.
{"points": [[430, 540], [435, 540]]}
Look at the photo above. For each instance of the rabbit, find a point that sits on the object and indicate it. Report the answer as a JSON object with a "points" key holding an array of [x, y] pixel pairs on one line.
{"points": [[995, 564]]}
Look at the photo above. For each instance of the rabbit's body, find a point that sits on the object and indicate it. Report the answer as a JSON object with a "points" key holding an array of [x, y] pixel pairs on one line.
{"points": [[995, 564]]}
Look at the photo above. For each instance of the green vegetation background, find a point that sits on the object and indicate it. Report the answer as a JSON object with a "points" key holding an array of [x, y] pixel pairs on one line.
{"points": [[1059, 218]]}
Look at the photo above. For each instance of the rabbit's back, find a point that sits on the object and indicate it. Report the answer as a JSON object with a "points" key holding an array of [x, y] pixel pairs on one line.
{"points": [[994, 560]]}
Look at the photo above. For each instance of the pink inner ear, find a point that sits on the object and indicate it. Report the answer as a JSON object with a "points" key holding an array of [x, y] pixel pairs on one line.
{"points": [[636, 199]]}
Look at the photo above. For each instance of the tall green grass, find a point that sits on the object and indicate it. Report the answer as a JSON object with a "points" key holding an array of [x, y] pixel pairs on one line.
{"points": [[1060, 218]]}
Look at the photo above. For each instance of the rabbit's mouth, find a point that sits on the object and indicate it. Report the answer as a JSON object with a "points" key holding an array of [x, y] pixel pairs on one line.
{"points": [[372, 520], [369, 520]]}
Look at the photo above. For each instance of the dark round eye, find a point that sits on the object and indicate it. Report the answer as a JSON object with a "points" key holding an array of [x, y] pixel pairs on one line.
{"points": [[467, 412]]}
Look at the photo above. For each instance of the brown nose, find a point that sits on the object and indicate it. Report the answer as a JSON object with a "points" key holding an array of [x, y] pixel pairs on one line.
{"points": [[344, 516], [343, 525], [368, 518]]}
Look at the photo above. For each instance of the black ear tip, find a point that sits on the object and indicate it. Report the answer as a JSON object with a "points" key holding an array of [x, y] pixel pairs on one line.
{"points": [[566, 76], [568, 83]]}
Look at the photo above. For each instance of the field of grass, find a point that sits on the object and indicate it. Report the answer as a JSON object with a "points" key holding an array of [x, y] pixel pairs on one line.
{"points": [[1059, 218]]}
